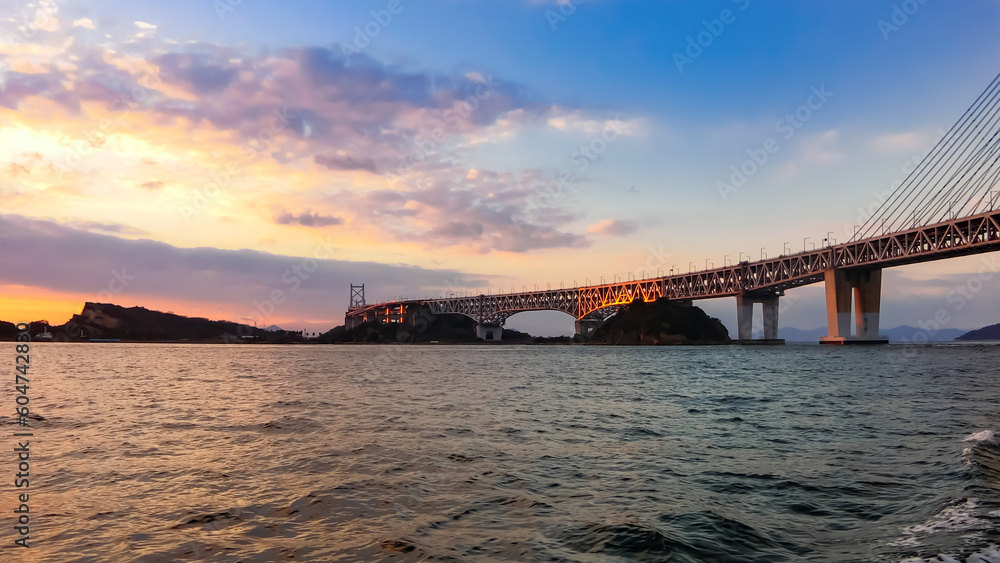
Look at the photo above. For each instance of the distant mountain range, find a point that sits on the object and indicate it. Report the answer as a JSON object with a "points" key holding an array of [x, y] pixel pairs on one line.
{"points": [[898, 334]]}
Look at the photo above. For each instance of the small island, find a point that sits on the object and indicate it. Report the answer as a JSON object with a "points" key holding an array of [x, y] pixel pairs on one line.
{"points": [[661, 322]]}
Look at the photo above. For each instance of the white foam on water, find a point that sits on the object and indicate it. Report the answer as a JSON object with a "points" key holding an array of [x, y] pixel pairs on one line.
{"points": [[952, 518], [988, 555], [939, 559], [981, 436], [991, 555]]}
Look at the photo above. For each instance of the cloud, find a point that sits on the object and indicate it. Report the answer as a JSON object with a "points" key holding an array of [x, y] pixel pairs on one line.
{"points": [[490, 212], [144, 25], [105, 227], [579, 122], [85, 23], [307, 219], [197, 71], [15, 169], [302, 114], [48, 255], [457, 230], [613, 228], [821, 149], [345, 163], [908, 142]]}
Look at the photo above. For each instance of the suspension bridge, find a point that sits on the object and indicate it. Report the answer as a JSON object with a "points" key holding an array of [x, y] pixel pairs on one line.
{"points": [[946, 207]]}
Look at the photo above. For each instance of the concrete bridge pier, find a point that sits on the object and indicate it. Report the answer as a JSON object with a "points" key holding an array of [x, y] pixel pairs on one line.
{"points": [[867, 294], [744, 318], [586, 327], [492, 333], [351, 321]]}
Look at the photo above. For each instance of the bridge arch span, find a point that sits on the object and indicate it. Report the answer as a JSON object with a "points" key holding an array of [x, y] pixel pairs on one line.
{"points": [[496, 309]]}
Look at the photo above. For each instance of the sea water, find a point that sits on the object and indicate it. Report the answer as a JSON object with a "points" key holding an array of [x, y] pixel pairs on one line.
{"points": [[170, 452]]}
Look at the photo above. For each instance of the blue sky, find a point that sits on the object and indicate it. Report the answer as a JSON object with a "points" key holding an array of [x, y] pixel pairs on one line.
{"points": [[895, 80]]}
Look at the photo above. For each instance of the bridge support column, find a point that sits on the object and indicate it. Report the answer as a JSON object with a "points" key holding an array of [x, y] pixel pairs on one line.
{"points": [[867, 293], [867, 304], [770, 313], [489, 332], [586, 327], [744, 318], [838, 304]]}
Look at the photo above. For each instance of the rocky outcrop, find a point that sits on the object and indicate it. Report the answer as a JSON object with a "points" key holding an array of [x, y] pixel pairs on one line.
{"points": [[661, 322]]}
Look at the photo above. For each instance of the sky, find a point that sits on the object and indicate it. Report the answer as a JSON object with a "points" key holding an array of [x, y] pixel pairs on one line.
{"points": [[199, 156]]}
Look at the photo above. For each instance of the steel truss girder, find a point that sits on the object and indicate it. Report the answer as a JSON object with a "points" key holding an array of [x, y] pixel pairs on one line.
{"points": [[957, 237]]}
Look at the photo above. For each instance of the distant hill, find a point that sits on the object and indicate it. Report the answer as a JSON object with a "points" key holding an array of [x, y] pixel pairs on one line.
{"points": [[7, 330], [991, 332], [900, 333], [106, 320]]}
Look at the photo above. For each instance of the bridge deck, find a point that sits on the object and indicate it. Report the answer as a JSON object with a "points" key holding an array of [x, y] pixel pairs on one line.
{"points": [[957, 237]]}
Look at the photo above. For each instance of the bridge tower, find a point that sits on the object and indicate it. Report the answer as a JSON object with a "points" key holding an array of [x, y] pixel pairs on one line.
{"points": [[357, 302], [357, 296], [867, 293]]}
